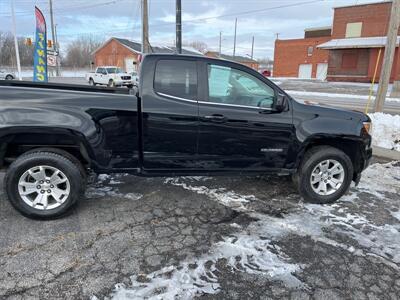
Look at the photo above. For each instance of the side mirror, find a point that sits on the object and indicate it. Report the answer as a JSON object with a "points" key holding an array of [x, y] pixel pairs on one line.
{"points": [[104, 73], [280, 103]]}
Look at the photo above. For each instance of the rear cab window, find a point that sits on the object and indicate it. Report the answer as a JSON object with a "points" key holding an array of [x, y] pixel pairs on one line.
{"points": [[176, 78]]}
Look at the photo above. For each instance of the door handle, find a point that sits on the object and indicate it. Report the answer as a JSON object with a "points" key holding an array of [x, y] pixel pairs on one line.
{"points": [[215, 118]]}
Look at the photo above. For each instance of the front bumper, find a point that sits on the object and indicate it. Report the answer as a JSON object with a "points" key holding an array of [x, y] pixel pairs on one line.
{"points": [[123, 82]]}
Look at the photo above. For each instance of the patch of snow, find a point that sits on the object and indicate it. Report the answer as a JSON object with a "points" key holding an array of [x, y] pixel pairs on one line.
{"points": [[396, 214], [385, 130], [254, 249], [242, 252], [221, 195]]}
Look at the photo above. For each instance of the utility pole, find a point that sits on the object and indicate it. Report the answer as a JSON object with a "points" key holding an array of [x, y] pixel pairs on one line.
{"points": [[252, 48], [178, 26], [220, 43], [389, 55], [234, 39], [145, 28], [53, 36], [16, 40]]}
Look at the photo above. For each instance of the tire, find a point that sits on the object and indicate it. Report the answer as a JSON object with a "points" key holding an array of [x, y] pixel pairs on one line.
{"points": [[340, 170], [71, 185], [111, 83], [91, 82], [9, 77]]}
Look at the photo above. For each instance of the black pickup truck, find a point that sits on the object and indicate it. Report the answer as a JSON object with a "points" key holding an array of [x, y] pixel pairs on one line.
{"points": [[191, 115]]}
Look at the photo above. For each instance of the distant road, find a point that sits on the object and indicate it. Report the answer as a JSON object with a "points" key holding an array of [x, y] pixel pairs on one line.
{"points": [[350, 103]]}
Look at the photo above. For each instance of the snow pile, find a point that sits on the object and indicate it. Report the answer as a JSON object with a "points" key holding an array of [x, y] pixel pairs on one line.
{"points": [[385, 130]]}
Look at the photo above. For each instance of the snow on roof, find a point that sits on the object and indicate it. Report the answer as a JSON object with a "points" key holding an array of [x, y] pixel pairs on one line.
{"points": [[364, 42]]}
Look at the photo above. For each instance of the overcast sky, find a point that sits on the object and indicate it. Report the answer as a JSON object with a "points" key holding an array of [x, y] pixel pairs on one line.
{"points": [[202, 20]]}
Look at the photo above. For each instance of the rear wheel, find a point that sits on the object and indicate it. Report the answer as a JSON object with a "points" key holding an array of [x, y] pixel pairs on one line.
{"points": [[91, 82], [9, 77], [44, 185], [324, 175]]}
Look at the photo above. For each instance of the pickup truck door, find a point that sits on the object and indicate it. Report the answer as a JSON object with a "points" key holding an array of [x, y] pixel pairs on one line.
{"points": [[238, 128], [170, 114]]}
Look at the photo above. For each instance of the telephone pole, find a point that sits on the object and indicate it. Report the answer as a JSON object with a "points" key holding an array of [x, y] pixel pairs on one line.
{"points": [[252, 48], [145, 28], [53, 36], [234, 39], [220, 43], [178, 26], [16, 40], [389, 55]]}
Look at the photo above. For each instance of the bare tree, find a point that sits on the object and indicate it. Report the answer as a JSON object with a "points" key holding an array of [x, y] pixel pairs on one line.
{"points": [[7, 50], [266, 62], [80, 51], [198, 45]]}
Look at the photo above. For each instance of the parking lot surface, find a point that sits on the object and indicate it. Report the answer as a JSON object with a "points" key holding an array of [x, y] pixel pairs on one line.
{"points": [[208, 238]]}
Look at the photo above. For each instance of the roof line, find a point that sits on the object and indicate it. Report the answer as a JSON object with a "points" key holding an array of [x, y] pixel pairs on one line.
{"points": [[364, 4]]}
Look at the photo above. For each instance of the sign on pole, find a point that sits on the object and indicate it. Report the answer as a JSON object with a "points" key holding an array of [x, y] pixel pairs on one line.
{"points": [[40, 54]]}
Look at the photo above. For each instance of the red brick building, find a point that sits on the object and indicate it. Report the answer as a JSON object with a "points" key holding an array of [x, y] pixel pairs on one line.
{"points": [[301, 57], [358, 35], [238, 58], [125, 54]]}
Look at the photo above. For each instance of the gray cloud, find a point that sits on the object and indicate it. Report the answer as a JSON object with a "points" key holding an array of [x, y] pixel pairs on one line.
{"points": [[201, 20]]}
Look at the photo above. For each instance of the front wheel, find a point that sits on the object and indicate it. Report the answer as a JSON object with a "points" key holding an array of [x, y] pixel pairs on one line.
{"points": [[324, 175], [9, 77], [43, 185]]}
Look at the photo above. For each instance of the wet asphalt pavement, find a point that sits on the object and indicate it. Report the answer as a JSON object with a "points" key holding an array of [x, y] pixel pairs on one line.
{"points": [[153, 228]]}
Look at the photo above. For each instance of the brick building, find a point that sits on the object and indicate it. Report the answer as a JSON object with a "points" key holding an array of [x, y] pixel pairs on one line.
{"points": [[125, 54], [238, 58], [301, 57], [358, 35]]}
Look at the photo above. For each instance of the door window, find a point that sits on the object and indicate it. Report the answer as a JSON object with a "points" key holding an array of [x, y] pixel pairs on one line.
{"points": [[99, 70], [231, 86], [177, 78]]}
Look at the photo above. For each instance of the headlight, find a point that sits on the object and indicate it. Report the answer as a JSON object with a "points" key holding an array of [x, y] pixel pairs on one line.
{"points": [[367, 126]]}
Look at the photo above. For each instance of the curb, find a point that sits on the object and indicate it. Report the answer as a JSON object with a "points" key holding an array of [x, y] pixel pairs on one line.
{"points": [[386, 153]]}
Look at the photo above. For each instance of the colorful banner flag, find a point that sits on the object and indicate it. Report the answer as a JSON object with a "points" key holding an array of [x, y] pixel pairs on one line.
{"points": [[40, 55]]}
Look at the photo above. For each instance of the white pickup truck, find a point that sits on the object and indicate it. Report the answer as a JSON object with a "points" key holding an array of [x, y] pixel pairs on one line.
{"points": [[110, 76]]}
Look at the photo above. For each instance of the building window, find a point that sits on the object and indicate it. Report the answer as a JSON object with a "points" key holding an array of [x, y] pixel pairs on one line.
{"points": [[310, 50], [349, 61], [353, 30], [176, 78]]}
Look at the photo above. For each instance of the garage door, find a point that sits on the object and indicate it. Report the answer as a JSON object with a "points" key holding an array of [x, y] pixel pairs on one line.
{"points": [[305, 71], [322, 71]]}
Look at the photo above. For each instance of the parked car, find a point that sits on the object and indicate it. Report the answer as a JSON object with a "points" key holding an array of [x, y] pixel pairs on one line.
{"points": [[5, 75], [111, 76], [191, 115], [266, 73]]}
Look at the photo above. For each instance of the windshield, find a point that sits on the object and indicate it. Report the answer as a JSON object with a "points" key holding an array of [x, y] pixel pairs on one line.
{"points": [[114, 70]]}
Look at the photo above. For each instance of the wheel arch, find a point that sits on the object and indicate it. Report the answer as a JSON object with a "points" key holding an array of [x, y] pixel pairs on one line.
{"points": [[20, 141], [349, 145]]}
